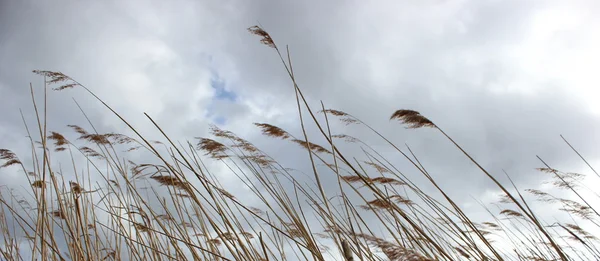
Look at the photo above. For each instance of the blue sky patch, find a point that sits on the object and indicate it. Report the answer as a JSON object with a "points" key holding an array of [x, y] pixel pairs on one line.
{"points": [[220, 120], [220, 92]]}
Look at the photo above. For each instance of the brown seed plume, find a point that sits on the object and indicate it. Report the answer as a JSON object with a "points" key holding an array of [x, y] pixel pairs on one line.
{"points": [[172, 181], [218, 132], [272, 131], [213, 148], [578, 229], [262, 160], [378, 167], [78, 129], [511, 213], [547, 170], [493, 226], [344, 117], [118, 138], [313, 147], [57, 77], [347, 138], [352, 178], [390, 181], [246, 146], [141, 227], [335, 112], [412, 118], [90, 152], [10, 158], [401, 200], [38, 184], [378, 203], [54, 76], [99, 139], [576, 208], [214, 241], [59, 139], [266, 38], [294, 232], [256, 211], [542, 196], [76, 188], [394, 252]]}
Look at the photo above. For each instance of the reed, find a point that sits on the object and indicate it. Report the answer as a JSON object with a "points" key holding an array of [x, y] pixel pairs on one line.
{"points": [[174, 207]]}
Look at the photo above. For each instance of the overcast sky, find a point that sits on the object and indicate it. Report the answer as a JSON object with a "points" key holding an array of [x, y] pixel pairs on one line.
{"points": [[504, 78]]}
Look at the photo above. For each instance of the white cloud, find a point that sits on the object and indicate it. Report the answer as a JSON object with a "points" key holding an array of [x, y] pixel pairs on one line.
{"points": [[505, 78]]}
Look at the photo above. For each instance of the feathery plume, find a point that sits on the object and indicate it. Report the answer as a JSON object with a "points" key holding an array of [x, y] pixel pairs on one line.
{"points": [[272, 131], [344, 117], [38, 184], [10, 158], [57, 77], [213, 148], [266, 38], [90, 152], [78, 129], [347, 138], [378, 167], [412, 118], [172, 181], [393, 251], [76, 188], [59, 139], [510, 213], [384, 180], [311, 146]]}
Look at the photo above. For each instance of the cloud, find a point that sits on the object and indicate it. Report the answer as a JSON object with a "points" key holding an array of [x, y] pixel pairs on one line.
{"points": [[503, 78]]}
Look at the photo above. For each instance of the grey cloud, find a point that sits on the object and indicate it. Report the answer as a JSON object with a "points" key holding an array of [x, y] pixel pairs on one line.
{"points": [[344, 54], [445, 59]]}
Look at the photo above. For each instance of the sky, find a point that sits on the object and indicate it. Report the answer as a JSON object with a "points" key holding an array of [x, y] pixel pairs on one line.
{"points": [[504, 78]]}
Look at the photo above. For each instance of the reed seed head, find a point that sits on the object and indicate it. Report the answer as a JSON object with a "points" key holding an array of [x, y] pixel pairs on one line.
{"points": [[412, 118]]}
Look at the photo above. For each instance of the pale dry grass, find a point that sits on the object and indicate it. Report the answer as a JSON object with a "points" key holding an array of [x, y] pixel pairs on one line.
{"points": [[174, 207]]}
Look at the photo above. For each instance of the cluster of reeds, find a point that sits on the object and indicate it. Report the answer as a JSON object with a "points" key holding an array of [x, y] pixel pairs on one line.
{"points": [[175, 207]]}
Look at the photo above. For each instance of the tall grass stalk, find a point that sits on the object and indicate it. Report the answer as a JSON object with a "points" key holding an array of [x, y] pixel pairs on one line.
{"points": [[174, 207]]}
